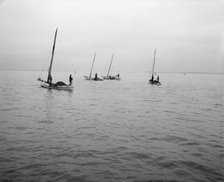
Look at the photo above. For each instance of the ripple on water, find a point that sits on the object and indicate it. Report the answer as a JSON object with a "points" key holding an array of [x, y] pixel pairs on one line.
{"points": [[137, 155], [20, 127], [9, 109], [5, 159], [190, 143], [174, 139], [46, 121], [207, 172], [182, 173], [160, 180], [168, 164], [72, 178]]}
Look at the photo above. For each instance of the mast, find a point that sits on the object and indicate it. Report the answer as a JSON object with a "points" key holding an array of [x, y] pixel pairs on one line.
{"points": [[52, 56], [110, 64], [153, 65], [92, 65]]}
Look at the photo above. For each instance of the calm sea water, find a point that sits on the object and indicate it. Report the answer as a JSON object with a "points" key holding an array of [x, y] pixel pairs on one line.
{"points": [[106, 131]]}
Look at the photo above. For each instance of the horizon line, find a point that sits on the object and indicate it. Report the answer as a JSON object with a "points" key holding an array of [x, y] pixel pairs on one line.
{"points": [[180, 72]]}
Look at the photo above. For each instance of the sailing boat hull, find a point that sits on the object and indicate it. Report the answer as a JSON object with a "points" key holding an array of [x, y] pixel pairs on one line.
{"points": [[93, 79], [111, 78], [58, 87], [154, 82]]}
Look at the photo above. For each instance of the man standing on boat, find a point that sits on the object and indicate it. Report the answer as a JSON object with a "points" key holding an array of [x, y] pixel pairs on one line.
{"points": [[70, 80], [96, 77], [50, 80], [152, 79]]}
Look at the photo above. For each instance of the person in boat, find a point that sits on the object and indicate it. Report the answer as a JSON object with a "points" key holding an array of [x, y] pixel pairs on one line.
{"points": [[50, 80], [157, 78], [70, 80], [118, 75], [95, 76], [152, 79]]}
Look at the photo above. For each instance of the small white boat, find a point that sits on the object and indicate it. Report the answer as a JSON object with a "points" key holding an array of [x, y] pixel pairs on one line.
{"points": [[93, 79], [111, 77], [152, 80], [116, 77], [90, 78], [58, 85]]}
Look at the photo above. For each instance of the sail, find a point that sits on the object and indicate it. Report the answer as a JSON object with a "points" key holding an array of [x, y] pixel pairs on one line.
{"points": [[92, 65], [52, 56], [153, 65], [110, 65]]}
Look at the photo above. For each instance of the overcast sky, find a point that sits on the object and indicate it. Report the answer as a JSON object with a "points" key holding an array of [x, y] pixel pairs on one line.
{"points": [[188, 34]]}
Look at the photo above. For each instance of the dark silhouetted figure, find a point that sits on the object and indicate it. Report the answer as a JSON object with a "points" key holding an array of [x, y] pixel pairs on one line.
{"points": [[118, 75], [70, 80], [157, 78], [95, 76], [50, 80], [152, 78]]}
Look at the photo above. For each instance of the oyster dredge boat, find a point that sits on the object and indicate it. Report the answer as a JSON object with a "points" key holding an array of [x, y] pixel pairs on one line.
{"points": [[48, 83], [111, 77], [96, 78], [152, 80]]}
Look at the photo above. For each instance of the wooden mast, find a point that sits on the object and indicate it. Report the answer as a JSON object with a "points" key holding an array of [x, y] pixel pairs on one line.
{"points": [[92, 66], [153, 66], [52, 56], [110, 65]]}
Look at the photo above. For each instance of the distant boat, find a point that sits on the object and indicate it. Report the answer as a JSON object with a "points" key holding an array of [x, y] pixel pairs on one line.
{"points": [[152, 80], [48, 84], [110, 77], [90, 75]]}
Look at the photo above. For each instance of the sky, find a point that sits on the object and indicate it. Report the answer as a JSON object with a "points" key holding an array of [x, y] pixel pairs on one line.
{"points": [[187, 34]]}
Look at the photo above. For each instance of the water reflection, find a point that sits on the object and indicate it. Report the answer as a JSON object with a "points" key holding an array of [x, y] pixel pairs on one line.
{"points": [[49, 107]]}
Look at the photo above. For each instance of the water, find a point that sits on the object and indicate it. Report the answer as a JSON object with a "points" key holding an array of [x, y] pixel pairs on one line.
{"points": [[106, 131]]}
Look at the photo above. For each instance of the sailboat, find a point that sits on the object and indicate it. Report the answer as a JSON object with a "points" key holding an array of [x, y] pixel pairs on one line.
{"points": [[152, 80], [90, 75], [110, 77], [48, 84]]}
